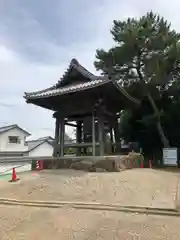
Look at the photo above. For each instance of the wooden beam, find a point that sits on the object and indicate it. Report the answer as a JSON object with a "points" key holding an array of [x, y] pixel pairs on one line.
{"points": [[79, 136], [78, 117], [70, 124], [80, 145], [107, 112]]}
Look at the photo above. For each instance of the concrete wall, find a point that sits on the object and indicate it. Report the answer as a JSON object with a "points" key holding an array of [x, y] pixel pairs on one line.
{"points": [[6, 146], [6, 168]]}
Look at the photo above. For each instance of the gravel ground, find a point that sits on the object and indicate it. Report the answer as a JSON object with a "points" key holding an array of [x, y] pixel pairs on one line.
{"points": [[138, 187], [134, 187], [22, 223]]}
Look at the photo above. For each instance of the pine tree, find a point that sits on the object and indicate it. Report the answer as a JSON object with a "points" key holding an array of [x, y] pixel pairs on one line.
{"points": [[147, 52]]}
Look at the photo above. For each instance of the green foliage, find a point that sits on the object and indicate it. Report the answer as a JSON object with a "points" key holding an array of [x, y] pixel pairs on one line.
{"points": [[69, 151], [140, 126], [146, 51], [146, 58]]}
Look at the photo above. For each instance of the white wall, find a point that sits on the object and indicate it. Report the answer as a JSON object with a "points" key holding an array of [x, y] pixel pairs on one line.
{"points": [[44, 149], [6, 146]]}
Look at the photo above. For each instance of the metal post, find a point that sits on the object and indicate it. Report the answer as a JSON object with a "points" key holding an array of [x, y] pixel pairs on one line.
{"points": [[93, 134]]}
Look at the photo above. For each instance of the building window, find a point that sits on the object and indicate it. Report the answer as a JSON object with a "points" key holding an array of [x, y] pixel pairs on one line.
{"points": [[14, 139]]}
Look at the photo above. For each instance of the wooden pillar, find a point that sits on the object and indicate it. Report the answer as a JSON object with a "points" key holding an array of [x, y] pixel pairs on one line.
{"points": [[79, 136], [117, 135], [111, 139], [101, 132], [93, 134], [61, 137], [56, 138]]}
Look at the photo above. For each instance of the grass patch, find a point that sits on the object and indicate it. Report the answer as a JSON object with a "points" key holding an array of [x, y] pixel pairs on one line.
{"points": [[5, 176]]}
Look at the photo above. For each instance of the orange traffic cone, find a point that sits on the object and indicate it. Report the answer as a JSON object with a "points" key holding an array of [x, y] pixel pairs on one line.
{"points": [[14, 177]]}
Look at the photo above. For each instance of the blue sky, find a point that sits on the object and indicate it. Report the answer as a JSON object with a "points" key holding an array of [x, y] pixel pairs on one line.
{"points": [[38, 38]]}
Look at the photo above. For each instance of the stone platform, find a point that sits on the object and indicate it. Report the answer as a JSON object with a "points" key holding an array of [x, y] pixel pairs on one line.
{"points": [[109, 163]]}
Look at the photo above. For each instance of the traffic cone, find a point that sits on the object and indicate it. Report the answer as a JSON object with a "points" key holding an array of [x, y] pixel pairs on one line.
{"points": [[37, 166], [14, 177], [150, 164]]}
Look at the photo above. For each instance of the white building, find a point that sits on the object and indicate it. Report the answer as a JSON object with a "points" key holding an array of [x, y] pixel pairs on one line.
{"points": [[12, 140], [43, 146], [40, 147], [13, 143]]}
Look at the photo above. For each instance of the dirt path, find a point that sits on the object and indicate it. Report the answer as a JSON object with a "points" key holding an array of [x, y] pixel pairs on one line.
{"points": [[147, 188], [67, 224]]}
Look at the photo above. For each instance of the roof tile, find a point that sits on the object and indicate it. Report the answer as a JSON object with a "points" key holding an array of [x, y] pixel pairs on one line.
{"points": [[67, 89]]}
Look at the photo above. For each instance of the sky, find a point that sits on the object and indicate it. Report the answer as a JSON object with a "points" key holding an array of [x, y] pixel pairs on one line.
{"points": [[38, 39]]}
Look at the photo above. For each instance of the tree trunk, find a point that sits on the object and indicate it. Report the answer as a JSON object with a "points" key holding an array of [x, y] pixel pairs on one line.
{"points": [[164, 140]]}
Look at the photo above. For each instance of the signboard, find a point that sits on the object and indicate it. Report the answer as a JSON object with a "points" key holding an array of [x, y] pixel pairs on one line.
{"points": [[170, 156]]}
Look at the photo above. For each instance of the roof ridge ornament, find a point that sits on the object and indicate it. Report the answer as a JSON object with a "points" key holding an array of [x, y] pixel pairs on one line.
{"points": [[82, 70], [74, 61]]}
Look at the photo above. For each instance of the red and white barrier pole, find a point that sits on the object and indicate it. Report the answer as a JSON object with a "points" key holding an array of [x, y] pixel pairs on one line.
{"points": [[37, 166]]}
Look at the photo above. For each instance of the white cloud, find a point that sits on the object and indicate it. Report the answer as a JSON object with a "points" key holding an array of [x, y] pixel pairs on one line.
{"points": [[6, 55], [18, 75]]}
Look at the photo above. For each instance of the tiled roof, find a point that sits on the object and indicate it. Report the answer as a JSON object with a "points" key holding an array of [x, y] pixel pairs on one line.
{"points": [[6, 128], [9, 127], [46, 138], [74, 64], [93, 81], [78, 87], [32, 144], [59, 89], [67, 89]]}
